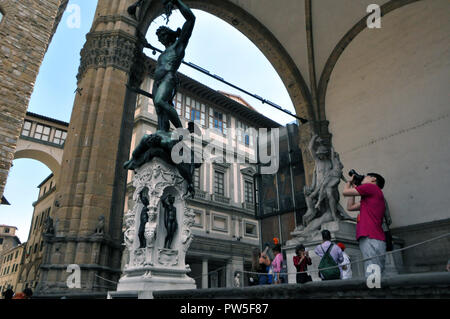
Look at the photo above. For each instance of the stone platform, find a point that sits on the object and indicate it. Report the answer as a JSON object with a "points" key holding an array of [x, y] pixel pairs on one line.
{"points": [[415, 286]]}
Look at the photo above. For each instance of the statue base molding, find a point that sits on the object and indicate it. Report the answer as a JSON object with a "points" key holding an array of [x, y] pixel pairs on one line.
{"points": [[154, 279]]}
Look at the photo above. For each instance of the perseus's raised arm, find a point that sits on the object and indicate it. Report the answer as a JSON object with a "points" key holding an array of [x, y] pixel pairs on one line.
{"points": [[186, 30]]}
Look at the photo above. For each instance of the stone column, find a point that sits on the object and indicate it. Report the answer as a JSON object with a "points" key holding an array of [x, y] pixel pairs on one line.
{"points": [[205, 273], [92, 189]]}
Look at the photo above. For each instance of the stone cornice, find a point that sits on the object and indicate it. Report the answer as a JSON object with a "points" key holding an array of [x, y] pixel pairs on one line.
{"points": [[114, 19]]}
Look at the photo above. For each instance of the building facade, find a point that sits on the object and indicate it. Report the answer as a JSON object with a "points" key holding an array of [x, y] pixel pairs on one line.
{"points": [[8, 238], [225, 229], [10, 249], [10, 267]]}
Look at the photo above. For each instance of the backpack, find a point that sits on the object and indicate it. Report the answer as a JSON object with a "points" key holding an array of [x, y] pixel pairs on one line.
{"points": [[326, 262]]}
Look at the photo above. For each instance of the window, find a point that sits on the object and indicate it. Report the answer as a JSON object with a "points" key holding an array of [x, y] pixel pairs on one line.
{"points": [[60, 137], [177, 101], [219, 179], [195, 111], [250, 229], [198, 220], [6, 230], [36, 222], [26, 128], [248, 192], [35, 248], [17, 254], [1, 241], [197, 178], [218, 121], [1, 15], [42, 246], [220, 223], [42, 132]]}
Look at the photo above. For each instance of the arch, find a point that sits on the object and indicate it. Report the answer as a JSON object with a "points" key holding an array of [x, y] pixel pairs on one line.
{"points": [[44, 157], [343, 44], [257, 33]]}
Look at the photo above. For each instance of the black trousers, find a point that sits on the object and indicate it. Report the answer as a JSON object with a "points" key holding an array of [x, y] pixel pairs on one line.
{"points": [[303, 277]]}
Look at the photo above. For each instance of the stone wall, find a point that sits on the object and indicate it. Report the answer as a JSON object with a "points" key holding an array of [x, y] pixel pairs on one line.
{"points": [[431, 285], [388, 107], [25, 33], [431, 256]]}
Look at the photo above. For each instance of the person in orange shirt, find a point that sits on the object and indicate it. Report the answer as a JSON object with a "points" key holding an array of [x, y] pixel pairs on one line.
{"points": [[26, 294]]}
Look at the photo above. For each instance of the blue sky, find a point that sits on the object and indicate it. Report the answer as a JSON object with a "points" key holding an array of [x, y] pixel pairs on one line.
{"points": [[214, 45]]}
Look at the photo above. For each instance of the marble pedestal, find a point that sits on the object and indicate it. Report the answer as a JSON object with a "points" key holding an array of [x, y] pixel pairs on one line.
{"points": [[155, 267]]}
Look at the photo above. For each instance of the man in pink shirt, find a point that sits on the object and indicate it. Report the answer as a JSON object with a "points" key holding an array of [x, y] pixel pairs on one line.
{"points": [[372, 207]]}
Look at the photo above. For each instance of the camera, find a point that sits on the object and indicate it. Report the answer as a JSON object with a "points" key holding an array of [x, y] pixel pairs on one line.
{"points": [[357, 179]]}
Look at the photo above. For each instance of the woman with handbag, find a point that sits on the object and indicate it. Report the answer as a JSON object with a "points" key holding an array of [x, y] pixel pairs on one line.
{"points": [[301, 262]]}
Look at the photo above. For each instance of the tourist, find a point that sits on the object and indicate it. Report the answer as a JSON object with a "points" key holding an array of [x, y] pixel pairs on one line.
{"points": [[331, 255], [8, 293], [301, 262], [260, 268], [253, 278], [265, 264], [372, 207], [345, 266], [277, 264]]}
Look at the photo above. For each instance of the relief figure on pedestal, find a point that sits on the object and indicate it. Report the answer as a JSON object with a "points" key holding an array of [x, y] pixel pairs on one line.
{"points": [[170, 219], [143, 196]]}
